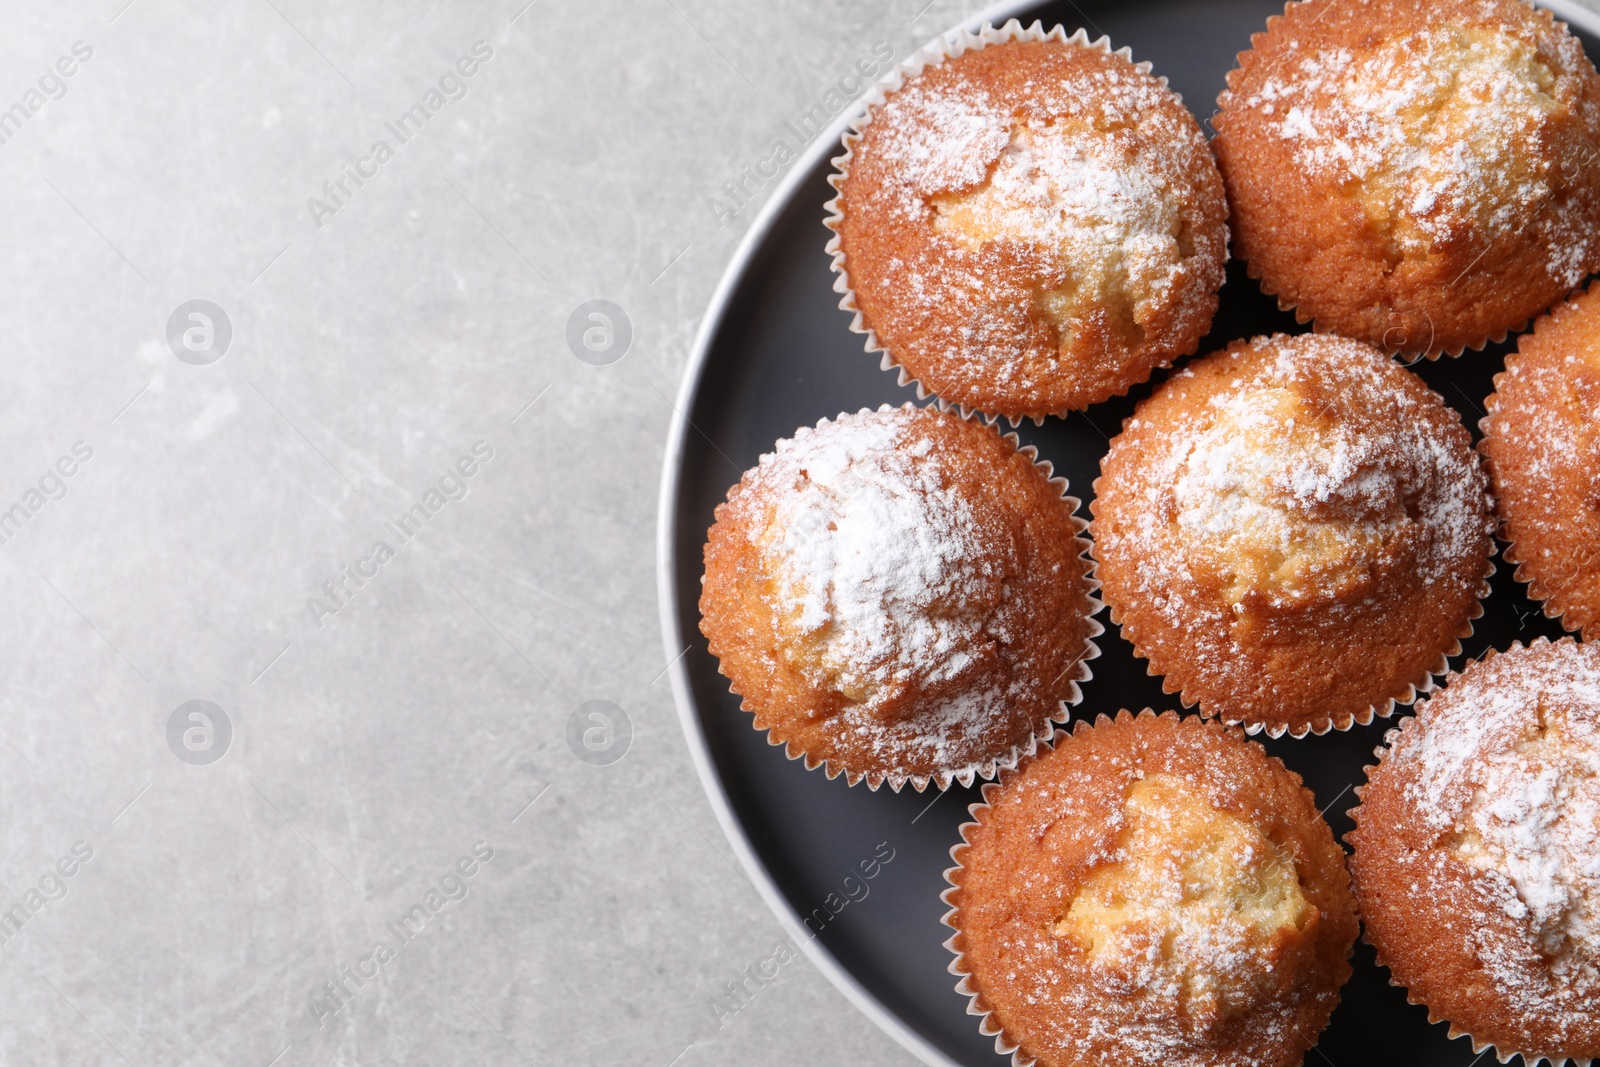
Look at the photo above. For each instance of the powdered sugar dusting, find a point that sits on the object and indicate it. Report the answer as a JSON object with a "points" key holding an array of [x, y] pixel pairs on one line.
{"points": [[1542, 440], [1506, 766], [1094, 204], [1277, 510], [1267, 484], [1032, 225], [897, 588], [882, 567], [1447, 133], [960, 130], [1296, 500], [1197, 909], [1118, 906]]}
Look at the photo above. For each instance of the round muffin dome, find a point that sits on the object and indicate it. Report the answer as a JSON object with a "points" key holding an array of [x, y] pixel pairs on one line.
{"points": [[1477, 853], [1153, 889], [901, 595], [1029, 226], [1541, 445], [1417, 174], [1294, 532]]}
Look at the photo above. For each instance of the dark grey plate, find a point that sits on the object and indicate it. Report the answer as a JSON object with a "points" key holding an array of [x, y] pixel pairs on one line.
{"points": [[776, 353]]}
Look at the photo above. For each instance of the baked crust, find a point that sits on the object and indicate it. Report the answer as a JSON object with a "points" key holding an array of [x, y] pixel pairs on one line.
{"points": [[1541, 446], [1295, 532], [901, 595], [1057, 824], [1417, 174], [1030, 227], [1475, 853]]}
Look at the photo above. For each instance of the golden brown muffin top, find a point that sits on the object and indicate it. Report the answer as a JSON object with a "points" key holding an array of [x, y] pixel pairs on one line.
{"points": [[901, 594], [1031, 226], [1154, 889], [1294, 531], [1477, 852], [1418, 174], [1541, 445]]}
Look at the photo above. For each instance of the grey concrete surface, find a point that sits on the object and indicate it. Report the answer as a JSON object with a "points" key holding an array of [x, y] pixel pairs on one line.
{"points": [[376, 339], [209, 884]]}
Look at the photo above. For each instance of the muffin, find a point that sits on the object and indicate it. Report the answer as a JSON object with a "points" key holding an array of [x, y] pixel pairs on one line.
{"points": [[1295, 532], [1416, 174], [901, 595], [1477, 853], [1152, 890], [1541, 444], [1028, 224]]}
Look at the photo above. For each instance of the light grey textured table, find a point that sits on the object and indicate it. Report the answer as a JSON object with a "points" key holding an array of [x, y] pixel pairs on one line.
{"points": [[380, 734], [394, 532]]}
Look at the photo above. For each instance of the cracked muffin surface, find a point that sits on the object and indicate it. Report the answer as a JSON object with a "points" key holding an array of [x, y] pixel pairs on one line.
{"points": [[1416, 174]]}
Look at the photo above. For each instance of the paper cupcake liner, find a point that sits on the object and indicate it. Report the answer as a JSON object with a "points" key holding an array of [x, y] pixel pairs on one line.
{"points": [[956, 943], [1551, 603], [1343, 722], [1305, 319], [991, 768], [954, 43], [951, 898], [1531, 1059]]}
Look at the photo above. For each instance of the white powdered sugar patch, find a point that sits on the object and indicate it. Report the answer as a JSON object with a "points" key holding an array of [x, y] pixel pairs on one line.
{"points": [[944, 137], [1441, 128], [1069, 193], [1506, 764], [1094, 203], [1265, 479], [1540, 823], [1248, 480], [882, 567]]}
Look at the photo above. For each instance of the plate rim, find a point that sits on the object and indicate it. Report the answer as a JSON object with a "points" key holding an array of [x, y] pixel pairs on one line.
{"points": [[667, 561], [826, 144]]}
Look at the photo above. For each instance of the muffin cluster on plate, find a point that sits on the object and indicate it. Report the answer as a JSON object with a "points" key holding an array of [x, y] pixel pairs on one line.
{"points": [[1294, 531]]}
